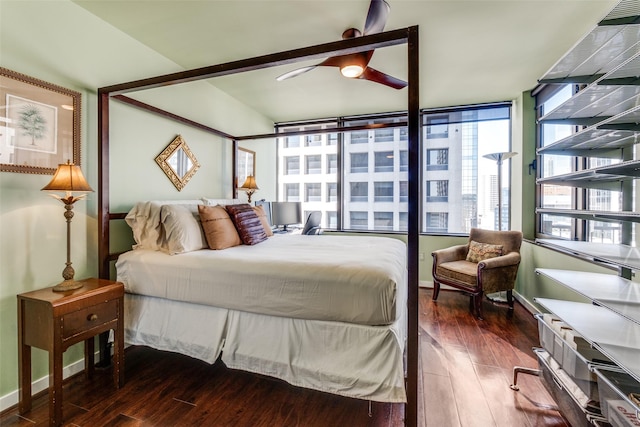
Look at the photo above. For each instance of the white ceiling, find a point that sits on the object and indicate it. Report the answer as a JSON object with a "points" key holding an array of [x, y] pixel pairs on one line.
{"points": [[471, 51]]}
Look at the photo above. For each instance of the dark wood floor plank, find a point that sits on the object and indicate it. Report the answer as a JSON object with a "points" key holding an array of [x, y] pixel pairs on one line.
{"points": [[465, 369]]}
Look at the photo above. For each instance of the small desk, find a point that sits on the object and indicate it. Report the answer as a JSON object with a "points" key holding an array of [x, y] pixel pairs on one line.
{"points": [[54, 321]]}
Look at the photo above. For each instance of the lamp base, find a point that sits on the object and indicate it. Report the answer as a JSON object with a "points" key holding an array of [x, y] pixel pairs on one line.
{"points": [[67, 285]]}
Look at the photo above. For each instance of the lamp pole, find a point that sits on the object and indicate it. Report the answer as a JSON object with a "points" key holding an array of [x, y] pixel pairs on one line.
{"points": [[498, 158]]}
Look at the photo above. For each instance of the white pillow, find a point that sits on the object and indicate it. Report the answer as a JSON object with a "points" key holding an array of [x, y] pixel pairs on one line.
{"points": [[182, 230], [221, 202], [144, 220]]}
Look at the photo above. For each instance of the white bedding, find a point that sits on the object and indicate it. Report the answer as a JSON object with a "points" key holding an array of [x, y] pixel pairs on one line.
{"points": [[353, 279], [364, 362]]}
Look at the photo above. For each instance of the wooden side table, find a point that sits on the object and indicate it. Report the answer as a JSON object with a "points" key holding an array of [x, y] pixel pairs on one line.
{"points": [[54, 321]]}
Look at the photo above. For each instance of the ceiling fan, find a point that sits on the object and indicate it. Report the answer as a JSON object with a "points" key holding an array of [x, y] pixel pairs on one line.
{"points": [[355, 65]]}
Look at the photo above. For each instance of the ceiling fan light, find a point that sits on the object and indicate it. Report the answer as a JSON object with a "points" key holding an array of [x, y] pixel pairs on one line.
{"points": [[351, 71]]}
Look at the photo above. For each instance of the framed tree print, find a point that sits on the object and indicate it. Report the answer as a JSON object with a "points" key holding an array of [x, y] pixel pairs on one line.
{"points": [[39, 124]]}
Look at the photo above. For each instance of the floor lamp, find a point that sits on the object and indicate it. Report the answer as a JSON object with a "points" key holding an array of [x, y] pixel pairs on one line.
{"points": [[498, 158]]}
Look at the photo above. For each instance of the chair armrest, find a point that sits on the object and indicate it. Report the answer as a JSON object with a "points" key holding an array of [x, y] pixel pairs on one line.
{"points": [[453, 253], [512, 258]]}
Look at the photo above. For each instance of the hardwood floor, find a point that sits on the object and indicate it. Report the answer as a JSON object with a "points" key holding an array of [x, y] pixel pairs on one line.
{"points": [[465, 371]]}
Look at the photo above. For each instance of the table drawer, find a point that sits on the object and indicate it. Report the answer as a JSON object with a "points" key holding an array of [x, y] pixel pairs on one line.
{"points": [[89, 318]]}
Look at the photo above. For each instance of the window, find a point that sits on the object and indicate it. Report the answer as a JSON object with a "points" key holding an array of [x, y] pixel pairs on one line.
{"points": [[359, 137], [312, 140], [332, 192], [384, 161], [437, 222], [313, 164], [383, 220], [313, 192], [359, 220], [332, 220], [383, 191], [404, 191], [438, 159], [363, 174], [383, 135], [292, 142], [404, 161], [567, 197], [332, 163], [359, 162], [456, 171], [359, 191], [438, 127], [292, 192], [437, 191], [292, 165]]}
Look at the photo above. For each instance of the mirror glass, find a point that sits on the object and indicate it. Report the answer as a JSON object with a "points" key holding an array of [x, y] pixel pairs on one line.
{"points": [[178, 162]]}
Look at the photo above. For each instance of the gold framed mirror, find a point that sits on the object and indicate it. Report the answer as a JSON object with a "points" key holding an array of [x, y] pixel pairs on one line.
{"points": [[178, 162]]}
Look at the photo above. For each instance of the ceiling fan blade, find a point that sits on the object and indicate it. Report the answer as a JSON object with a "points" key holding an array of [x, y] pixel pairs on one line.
{"points": [[376, 17], [382, 78], [295, 72]]}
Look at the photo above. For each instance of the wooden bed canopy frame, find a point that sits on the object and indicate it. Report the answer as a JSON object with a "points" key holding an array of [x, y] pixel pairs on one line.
{"points": [[408, 36]]}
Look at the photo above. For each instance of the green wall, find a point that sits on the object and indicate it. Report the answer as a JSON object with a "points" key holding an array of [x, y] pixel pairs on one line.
{"points": [[61, 43]]}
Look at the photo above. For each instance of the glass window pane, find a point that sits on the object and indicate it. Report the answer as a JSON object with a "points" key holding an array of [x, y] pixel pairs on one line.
{"points": [[292, 192], [383, 221], [383, 191], [332, 163], [359, 162], [359, 191], [332, 192], [359, 220], [292, 165], [313, 164], [384, 161], [313, 192]]}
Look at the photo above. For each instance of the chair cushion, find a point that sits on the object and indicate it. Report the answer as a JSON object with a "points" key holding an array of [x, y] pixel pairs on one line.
{"points": [[481, 251], [461, 272]]}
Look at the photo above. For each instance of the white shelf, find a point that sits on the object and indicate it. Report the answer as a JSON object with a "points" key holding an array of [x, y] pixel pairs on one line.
{"points": [[620, 255], [616, 337], [619, 295]]}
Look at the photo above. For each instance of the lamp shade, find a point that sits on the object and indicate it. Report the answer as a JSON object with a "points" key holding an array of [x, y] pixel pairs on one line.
{"points": [[250, 184], [68, 178]]}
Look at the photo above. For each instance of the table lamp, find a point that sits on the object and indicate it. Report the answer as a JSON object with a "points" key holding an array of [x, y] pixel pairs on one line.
{"points": [[68, 179], [249, 187]]}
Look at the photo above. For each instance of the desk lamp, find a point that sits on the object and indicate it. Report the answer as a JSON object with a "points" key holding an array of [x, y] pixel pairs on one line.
{"points": [[68, 179], [249, 187]]}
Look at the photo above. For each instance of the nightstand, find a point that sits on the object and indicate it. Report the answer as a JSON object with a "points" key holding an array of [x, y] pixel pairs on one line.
{"points": [[54, 321]]}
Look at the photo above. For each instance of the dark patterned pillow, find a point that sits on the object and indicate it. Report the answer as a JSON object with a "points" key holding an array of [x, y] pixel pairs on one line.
{"points": [[481, 251], [247, 223]]}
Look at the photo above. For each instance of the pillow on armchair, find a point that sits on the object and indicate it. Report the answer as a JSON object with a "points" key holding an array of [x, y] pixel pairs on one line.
{"points": [[481, 251]]}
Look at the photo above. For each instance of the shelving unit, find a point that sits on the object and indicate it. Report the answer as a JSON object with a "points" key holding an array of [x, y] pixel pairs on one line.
{"points": [[606, 64]]}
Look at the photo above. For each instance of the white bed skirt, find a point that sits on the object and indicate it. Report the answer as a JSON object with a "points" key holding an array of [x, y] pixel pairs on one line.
{"points": [[365, 362]]}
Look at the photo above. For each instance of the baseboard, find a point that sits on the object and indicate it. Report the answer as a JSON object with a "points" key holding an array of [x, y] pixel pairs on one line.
{"points": [[11, 399], [429, 284]]}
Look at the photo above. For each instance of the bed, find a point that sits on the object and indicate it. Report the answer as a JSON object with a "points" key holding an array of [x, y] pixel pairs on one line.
{"points": [[322, 312], [109, 212]]}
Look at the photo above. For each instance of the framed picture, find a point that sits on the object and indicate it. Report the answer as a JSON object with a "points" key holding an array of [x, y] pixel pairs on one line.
{"points": [[39, 124], [246, 165]]}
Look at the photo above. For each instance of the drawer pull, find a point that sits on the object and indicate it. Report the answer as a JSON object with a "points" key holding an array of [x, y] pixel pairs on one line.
{"points": [[92, 317]]}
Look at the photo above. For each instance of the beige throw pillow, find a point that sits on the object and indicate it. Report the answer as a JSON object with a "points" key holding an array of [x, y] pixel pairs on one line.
{"points": [[263, 219], [218, 227], [481, 251]]}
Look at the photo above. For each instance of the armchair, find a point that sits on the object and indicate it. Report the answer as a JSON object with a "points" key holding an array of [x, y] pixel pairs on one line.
{"points": [[487, 263]]}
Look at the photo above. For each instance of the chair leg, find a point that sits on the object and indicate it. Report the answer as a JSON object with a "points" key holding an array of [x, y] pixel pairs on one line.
{"points": [[510, 302], [436, 290], [478, 306]]}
